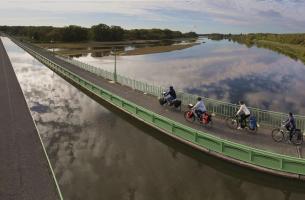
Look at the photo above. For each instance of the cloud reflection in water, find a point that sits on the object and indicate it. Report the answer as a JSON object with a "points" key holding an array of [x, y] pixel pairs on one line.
{"points": [[98, 155], [223, 70]]}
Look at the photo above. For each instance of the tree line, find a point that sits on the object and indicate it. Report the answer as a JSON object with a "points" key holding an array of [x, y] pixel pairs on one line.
{"points": [[217, 36], [100, 32]]}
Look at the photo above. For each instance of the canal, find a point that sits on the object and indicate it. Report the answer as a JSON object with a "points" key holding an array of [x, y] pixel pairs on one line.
{"points": [[99, 153]]}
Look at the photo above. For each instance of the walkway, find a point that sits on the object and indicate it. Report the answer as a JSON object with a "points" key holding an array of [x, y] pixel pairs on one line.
{"points": [[260, 140], [24, 169]]}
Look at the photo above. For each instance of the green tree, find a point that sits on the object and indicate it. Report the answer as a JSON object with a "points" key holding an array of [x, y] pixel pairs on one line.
{"points": [[101, 32], [117, 33], [74, 33]]}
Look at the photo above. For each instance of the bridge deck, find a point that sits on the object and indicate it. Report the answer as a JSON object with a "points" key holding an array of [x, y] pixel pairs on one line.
{"points": [[260, 140], [24, 169]]}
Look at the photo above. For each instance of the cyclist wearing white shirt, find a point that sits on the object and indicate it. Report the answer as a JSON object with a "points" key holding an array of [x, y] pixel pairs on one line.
{"points": [[199, 107], [244, 113]]}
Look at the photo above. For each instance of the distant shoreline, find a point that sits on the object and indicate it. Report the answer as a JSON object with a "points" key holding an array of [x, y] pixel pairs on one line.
{"points": [[141, 47], [291, 45], [158, 49]]}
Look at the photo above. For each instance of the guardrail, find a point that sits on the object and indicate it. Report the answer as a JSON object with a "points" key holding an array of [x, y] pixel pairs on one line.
{"points": [[220, 108], [243, 153]]}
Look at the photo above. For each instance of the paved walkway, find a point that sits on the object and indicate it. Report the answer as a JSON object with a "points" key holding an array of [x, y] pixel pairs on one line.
{"points": [[261, 140], [24, 170]]}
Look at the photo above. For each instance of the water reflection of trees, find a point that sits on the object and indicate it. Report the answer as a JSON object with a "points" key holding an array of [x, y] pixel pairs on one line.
{"points": [[281, 50]]}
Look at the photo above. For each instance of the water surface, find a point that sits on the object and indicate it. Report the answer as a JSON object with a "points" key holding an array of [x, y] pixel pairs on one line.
{"points": [[98, 154], [222, 70]]}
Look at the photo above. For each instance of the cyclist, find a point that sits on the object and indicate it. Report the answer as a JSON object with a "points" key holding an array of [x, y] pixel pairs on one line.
{"points": [[199, 108], [290, 125], [244, 113], [171, 94]]}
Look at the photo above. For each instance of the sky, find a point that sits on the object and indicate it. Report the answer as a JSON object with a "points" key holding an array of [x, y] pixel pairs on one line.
{"points": [[201, 16]]}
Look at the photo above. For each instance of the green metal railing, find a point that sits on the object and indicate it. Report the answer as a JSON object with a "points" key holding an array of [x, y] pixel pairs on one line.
{"points": [[243, 153], [220, 108]]}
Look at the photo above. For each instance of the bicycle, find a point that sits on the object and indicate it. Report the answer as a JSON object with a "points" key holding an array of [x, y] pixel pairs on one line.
{"points": [[191, 116], [176, 103], [234, 122], [282, 134]]}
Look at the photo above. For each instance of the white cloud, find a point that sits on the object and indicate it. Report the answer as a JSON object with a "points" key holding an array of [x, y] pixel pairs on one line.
{"points": [[236, 13]]}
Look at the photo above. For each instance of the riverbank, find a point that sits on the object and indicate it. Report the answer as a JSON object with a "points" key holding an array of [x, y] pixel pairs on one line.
{"points": [[291, 50], [158, 49], [291, 45], [76, 45], [133, 47]]}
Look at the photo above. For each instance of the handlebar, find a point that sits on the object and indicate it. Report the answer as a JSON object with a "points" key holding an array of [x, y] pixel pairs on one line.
{"points": [[190, 106]]}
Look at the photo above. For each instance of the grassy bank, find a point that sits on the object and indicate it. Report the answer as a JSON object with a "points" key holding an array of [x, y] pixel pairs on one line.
{"points": [[103, 48], [292, 45], [77, 45], [68, 52], [291, 50], [158, 49], [72, 45]]}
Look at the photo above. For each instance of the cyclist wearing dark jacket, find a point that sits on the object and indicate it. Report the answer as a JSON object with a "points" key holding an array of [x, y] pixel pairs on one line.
{"points": [[290, 125], [171, 94]]}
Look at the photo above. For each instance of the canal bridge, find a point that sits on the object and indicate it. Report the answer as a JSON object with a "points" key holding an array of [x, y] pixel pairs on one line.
{"points": [[139, 100]]}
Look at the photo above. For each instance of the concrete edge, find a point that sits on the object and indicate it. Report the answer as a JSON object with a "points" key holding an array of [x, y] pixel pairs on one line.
{"points": [[40, 139]]}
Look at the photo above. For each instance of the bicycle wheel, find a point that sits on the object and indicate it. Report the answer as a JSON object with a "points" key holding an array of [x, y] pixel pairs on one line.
{"points": [[189, 116], [297, 138], [209, 125], [232, 123], [277, 135]]}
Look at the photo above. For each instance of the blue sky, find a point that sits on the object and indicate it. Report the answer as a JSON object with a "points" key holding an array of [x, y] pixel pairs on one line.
{"points": [[201, 16]]}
